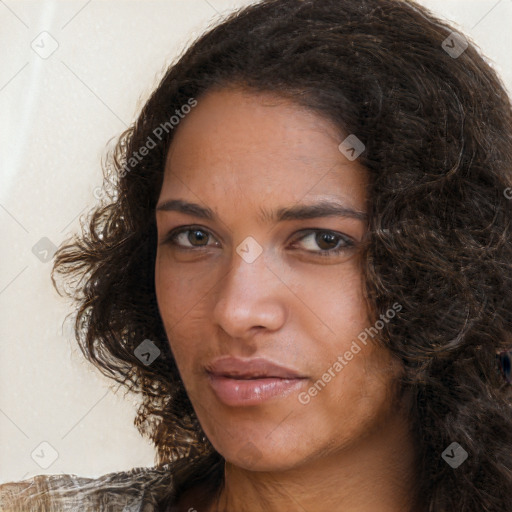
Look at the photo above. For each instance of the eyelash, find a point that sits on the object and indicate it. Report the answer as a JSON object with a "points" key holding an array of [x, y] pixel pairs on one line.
{"points": [[347, 243]]}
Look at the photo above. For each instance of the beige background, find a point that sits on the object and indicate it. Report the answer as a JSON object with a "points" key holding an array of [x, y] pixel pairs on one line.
{"points": [[58, 112]]}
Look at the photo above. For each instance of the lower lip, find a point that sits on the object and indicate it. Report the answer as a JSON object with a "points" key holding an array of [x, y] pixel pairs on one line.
{"points": [[251, 391]]}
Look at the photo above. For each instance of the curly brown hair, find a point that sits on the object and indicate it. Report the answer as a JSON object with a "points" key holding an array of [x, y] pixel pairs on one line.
{"points": [[437, 130]]}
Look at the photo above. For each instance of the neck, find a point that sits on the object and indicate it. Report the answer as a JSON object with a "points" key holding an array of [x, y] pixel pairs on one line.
{"points": [[377, 473]]}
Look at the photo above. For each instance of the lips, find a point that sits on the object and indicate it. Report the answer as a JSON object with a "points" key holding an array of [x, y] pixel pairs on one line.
{"points": [[248, 369], [241, 382]]}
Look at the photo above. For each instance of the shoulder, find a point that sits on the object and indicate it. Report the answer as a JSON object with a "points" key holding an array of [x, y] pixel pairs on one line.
{"points": [[133, 490]]}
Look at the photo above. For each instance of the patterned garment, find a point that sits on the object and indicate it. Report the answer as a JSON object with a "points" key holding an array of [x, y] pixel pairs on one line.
{"points": [[135, 490]]}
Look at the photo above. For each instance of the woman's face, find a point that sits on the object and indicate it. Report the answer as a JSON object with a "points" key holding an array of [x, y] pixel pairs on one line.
{"points": [[244, 282]]}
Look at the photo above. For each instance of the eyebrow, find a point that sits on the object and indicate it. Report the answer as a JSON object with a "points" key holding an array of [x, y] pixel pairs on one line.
{"points": [[297, 212]]}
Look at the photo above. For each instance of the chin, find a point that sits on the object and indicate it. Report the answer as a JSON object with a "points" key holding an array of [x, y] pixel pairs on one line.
{"points": [[259, 455]]}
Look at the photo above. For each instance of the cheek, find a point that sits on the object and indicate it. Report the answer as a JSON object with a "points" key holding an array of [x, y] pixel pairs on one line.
{"points": [[335, 297], [170, 291], [347, 307], [178, 290], [358, 399], [183, 286], [341, 353], [180, 301]]}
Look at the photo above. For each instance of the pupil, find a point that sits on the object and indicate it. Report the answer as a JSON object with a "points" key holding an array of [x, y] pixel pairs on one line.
{"points": [[199, 235], [326, 237]]}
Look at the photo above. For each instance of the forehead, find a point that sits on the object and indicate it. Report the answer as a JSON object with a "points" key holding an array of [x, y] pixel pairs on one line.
{"points": [[235, 139]]}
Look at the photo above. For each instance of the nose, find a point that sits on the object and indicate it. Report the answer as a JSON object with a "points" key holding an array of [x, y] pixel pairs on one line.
{"points": [[250, 297]]}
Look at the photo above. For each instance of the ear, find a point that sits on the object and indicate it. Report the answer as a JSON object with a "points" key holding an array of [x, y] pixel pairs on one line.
{"points": [[504, 361]]}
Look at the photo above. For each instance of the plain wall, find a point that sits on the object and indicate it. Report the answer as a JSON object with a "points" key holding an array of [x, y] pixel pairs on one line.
{"points": [[58, 113]]}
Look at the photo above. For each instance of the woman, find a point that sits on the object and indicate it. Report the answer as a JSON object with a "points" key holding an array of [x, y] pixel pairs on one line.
{"points": [[305, 271]]}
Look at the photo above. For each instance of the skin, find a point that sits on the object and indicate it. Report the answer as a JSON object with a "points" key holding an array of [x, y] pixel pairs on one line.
{"points": [[349, 449]]}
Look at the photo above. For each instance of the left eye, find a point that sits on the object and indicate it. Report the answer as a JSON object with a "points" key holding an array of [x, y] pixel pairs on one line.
{"points": [[329, 242]]}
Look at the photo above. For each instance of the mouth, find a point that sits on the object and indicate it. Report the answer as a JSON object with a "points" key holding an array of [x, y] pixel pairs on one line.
{"points": [[255, 368], [250, 377], [241, 382], [245, 390]]}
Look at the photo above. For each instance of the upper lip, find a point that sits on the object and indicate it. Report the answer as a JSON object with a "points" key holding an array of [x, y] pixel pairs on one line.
{"points": [[229, 366]]}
